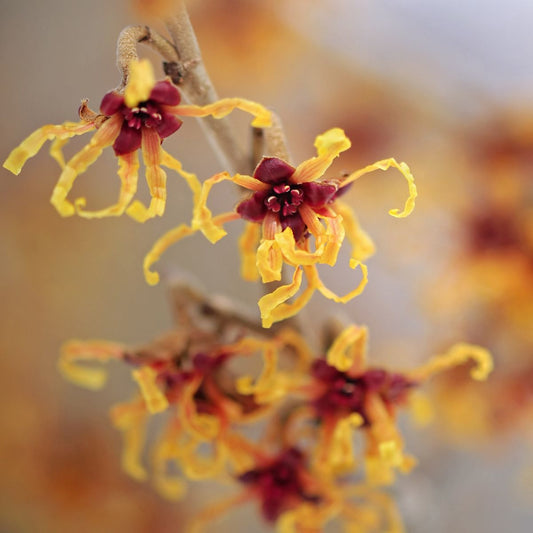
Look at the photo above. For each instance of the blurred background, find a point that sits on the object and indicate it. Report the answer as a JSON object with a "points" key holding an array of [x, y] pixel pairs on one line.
{"points": [[444, 85]]}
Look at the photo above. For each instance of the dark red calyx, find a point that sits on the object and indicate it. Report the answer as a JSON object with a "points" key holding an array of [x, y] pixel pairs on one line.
{"points": [[279, 483]]}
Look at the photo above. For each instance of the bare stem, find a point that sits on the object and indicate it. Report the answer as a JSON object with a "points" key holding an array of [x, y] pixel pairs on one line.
{"points": [[127, 43], [199, 90], [275, 140]]}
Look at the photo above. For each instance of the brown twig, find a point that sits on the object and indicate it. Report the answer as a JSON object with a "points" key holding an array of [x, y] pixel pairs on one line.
{"points": [[127, 43], [198, 88]]}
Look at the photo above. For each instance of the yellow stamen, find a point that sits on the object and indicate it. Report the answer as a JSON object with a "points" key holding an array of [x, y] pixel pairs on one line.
{"points": [[221, 108], [385, 164], [141, 81]]}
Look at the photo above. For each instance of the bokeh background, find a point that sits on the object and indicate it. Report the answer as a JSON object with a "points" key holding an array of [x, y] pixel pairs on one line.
{"points": [[444, 85]]}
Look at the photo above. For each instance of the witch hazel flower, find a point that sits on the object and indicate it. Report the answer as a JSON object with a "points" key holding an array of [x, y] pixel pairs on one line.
{"points": [[294, 496], [345, 394], [293, 217], [340, 394], [140, 117], [186, 376]]}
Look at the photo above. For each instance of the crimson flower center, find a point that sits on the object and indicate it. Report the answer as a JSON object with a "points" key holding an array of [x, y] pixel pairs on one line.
{"points": [[285, 199], [145, 114]]}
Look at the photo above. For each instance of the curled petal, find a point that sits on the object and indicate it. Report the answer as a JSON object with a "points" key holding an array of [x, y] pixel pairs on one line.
{"points": [[201, 426], [269, 260], [192, 181], [272, 170], [56, 151], [141, 82], [154, 398], [362, 245], [341, 455], [312, 221], [32, 144], [90, 378], [385, 164], [155, 176], [329, 145], [273, 307], [202, 215], [128, 174], [295, 255], [130, 418], [197, 466], [248, 244], [457, 355], [164, 242], [348, 348], [288, 337], [312, 275], [170, 486], [335, 237], [267, 387], [79, 163], [221, 108]]}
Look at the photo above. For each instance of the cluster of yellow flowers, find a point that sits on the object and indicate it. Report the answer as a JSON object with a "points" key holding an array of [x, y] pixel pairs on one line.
{"points": [[317, 407], [314, 403]]}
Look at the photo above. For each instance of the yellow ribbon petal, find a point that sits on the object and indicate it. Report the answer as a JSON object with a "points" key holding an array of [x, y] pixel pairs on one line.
{"points": [[348, 348], [146, 379], [221, 108], [269, 260], [457, 355], [30, 146], [141, 81], [329, 145], [385, 164]]}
